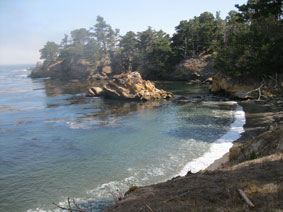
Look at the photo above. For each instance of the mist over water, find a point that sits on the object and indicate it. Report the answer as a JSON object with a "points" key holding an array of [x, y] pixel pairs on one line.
{"points": [[56, 143]]}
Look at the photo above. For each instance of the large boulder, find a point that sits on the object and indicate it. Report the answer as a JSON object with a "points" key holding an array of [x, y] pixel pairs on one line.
{"points": [[130, 86], [95, 91]]}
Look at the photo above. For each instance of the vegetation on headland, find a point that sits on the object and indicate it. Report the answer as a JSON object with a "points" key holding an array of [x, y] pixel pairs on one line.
{"points": [[247, 41]]}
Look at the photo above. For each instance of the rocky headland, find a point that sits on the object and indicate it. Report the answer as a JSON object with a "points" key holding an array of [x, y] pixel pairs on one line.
{"points": [[198, 69], [66, 70]]}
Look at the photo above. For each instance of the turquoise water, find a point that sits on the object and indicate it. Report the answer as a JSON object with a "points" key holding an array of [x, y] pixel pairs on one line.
{"points": [[56, 143]]}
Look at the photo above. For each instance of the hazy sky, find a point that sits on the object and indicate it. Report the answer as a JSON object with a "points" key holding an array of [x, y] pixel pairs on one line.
{"points": [[26, 25]]}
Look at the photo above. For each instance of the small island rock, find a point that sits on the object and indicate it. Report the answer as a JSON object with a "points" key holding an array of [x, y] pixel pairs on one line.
{"points": [[130, 86]]}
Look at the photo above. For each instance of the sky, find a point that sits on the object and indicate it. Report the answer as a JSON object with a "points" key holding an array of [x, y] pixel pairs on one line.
{"points": [[26, 25]]}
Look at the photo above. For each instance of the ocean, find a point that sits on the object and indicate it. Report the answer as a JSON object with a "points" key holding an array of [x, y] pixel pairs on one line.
{"points": [[57, 143]]}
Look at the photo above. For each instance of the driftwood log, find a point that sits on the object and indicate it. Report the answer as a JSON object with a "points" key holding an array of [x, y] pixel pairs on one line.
{"points": [[244, 196]]}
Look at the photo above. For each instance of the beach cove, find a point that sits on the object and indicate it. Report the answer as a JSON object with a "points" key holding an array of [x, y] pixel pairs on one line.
{"points": [[42, 111]]}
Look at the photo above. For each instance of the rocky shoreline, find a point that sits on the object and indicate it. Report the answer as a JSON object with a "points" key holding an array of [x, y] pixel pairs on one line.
{"points": [[260, 118], [253, 165]]}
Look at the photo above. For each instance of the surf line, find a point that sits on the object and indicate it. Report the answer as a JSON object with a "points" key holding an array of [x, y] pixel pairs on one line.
{"points": [[221, 146]]}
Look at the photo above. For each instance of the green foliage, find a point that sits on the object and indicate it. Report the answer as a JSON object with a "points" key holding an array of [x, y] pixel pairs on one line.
{"points": [[246, 42], [195, 36], [128, 50], [252, 156], [93, 45], [132, 189], [91, 51], [80, 36], [64, 41], [104, 35], [160, 52], [72, 53], [256, 9], [148, 50], [49, 52], [253, 41]]}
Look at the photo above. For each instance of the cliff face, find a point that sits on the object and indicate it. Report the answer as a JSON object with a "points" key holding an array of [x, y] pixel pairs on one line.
{"points": [[247, 87], [198, 68], [231, 86]]}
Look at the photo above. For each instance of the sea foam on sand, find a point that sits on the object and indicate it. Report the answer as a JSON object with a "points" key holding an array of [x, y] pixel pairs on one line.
{"points": [[221, 146]]}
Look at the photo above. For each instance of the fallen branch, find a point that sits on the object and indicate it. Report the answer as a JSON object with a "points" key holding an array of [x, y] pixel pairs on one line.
{"points": [[244, 196], [259, 91], [69, 208]]}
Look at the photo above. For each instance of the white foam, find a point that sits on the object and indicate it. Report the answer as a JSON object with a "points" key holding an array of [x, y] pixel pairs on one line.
{"points": [[221, 146], [41, 210], [22, 75], [75, 125]]}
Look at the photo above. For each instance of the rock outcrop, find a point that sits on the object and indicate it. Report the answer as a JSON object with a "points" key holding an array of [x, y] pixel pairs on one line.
{"points": [[230, 86], [129, 86], [267, 143], [239, 88], [68, 70], [194, 69], [102, 73]]}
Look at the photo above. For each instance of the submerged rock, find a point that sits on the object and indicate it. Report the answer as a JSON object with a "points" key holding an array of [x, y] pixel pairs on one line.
{"points": [[130, 86]]}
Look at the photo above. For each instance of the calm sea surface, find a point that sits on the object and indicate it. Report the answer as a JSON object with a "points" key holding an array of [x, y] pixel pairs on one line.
{"points": [[56, 143]]}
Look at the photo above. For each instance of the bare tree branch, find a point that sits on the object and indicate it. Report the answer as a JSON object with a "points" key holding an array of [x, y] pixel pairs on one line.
{"points": [[259, 91], [69, 208]]}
